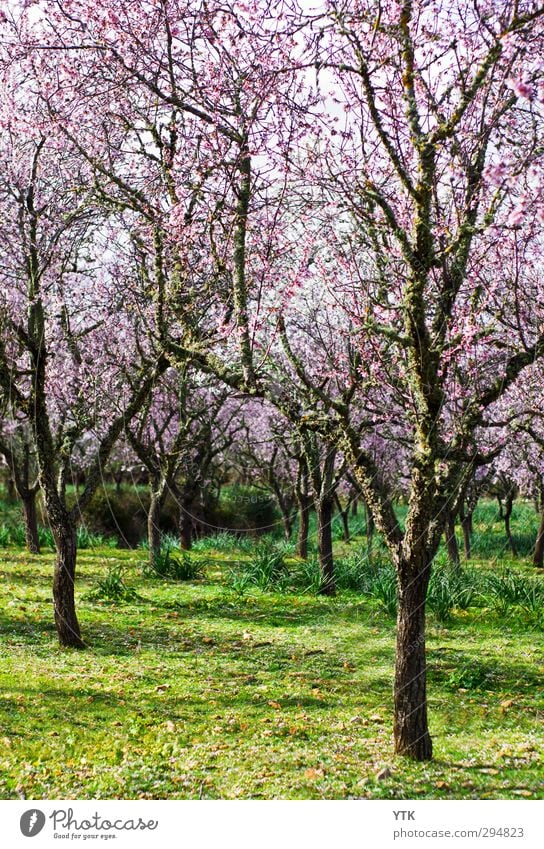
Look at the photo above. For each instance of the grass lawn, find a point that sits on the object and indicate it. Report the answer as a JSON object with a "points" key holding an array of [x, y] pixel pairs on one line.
{"points": [[195, 691]]}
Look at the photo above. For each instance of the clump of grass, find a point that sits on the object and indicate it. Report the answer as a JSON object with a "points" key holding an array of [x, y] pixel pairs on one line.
{"points": [[452, 588], [5, 536], [90, 539], [266, 569], [384, 589], [16, 535], [472, 675], [112, 587], [173, 567], [225, 541], [308, 575]]}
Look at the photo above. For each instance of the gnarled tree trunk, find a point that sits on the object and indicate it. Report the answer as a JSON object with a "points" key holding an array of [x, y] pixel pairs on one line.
{"points": [[304, 501], [64, 532], [451, 540], [466, 527], [411, 729], [304, 507], [154, 526], [538, 551], [186, 525], [509, 505], [370, 528], [324, 508], [30, 517], [344, 516]]}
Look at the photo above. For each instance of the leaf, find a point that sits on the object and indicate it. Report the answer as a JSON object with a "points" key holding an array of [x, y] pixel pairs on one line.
{"points": [[275, 705], [313, 774]]}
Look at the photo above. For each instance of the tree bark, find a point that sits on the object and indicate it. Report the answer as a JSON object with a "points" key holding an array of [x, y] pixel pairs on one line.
{"points": [[370, 527], [466, 527], [324, 546], [287, 519], [451, 540], [68, 630], [153, 527], [11, 491], [538, 552], [30, 517], [304, 507], [344, 516], [411, 729], [506, 516], [186, 526]]}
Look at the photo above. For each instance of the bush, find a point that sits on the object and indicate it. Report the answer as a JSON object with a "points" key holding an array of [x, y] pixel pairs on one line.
{"points": [[241, 508], [124, 515]]}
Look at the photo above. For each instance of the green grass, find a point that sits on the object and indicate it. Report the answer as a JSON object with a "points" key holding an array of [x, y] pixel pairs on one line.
{"points": [[195, 690]]}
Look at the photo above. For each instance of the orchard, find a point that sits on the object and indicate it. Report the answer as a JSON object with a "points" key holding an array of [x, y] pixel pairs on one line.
{"points": [[272, 334]]}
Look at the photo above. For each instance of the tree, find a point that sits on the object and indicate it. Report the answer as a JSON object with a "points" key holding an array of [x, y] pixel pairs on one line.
{"points": [[17, 447], [66, 360], [408, 200], [185, 424]]}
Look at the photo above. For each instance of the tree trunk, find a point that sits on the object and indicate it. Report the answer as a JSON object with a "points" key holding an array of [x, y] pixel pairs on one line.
{"points": [[506, 516], [304, 507], [354, 505], [370, 527], [11, 491], [411, 729], [68, 630], [186, 526], [466, 527], [324, 546], [153, 527], [287, 520], [31, 521], [344, 516], [451, 540], [538, 553]]}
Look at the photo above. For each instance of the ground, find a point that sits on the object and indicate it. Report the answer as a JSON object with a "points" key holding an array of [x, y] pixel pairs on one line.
{"points": [[193, 690]]}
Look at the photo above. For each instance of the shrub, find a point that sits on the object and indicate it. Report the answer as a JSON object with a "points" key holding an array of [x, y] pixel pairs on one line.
{"points": [[242, 508], [124, 515]]}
